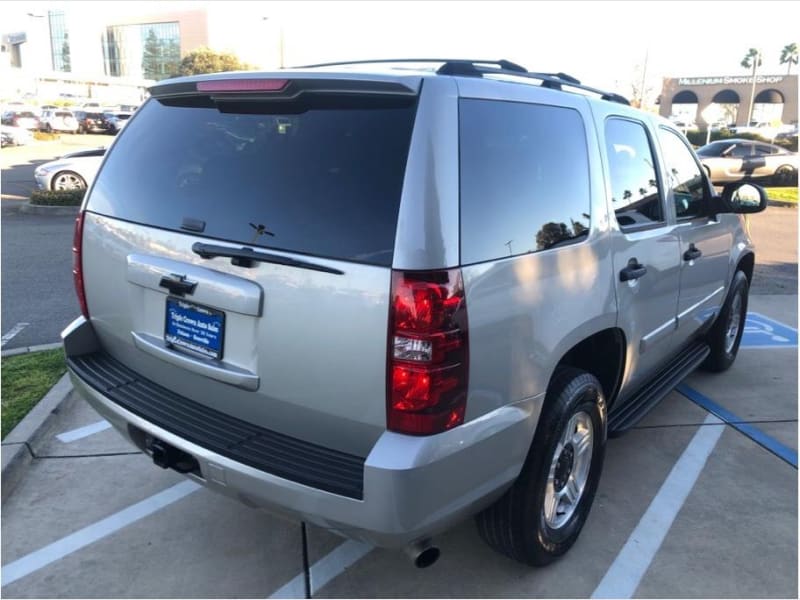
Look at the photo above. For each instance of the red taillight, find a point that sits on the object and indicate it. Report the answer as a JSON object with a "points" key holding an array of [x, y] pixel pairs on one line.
{"points": [[242, 85], [77, 263], [428, 352]]}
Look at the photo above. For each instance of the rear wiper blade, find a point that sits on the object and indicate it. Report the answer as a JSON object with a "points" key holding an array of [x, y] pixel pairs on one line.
{"points": [[245, 257]]}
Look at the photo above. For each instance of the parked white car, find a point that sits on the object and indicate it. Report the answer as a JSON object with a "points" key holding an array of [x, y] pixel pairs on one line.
{"points": [[75, 171], [736, 159], [58, 120]]}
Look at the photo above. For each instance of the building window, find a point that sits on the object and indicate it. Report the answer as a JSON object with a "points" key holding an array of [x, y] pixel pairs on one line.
{"points": [[147, 50], [59, 41], [768, 106]]}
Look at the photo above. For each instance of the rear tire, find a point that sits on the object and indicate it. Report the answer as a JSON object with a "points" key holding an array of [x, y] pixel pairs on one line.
{"points": [[539, 518], [726, 333]]}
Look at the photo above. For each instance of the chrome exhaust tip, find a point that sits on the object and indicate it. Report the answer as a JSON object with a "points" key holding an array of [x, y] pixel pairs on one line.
{"points": [[423, 554]]}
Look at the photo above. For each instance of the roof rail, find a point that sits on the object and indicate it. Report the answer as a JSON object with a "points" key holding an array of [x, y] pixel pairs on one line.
{"points": [[503, 64], [549, 80], [479, 68]]}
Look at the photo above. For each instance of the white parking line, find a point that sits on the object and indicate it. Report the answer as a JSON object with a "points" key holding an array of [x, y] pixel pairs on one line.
{"points": [[88, 535], [324, 570], [14, 331], [82, 432], [627, 570]]}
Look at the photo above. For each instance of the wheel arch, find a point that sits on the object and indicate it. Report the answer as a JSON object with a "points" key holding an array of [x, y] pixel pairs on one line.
{"points": [[603, 355], [746, 264]]}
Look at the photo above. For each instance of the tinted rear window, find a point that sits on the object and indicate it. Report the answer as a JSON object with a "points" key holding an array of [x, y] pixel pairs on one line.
{"points": [[322, 179]]}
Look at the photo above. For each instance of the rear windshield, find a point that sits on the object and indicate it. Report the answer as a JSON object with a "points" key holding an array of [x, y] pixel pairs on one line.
{"points": [[323, 178]]}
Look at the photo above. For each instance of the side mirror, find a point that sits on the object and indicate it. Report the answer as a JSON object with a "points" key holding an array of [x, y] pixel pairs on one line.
{"points": [[742, 198]]}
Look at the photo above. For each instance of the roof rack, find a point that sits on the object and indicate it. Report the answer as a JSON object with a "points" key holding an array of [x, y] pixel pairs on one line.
{"points": [[503, 64], [479, 68]]}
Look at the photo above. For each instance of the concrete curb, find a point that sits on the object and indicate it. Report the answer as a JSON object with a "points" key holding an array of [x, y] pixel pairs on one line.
{"points": [[26, 349], [16, 448], [782, 204], [37, 209]]}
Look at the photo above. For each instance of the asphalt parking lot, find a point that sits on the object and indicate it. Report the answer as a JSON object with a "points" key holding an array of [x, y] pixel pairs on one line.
{"points": [[699, 500]]}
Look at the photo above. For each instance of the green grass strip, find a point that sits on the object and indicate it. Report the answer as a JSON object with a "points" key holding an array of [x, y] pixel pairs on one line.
{"points": [[26, 378]]}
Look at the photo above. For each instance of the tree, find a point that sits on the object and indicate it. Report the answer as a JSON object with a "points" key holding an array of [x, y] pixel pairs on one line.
{"points": [[789, 56], [752, 60], [66, 62], [151, 56], [640, 87], [205, 60]]}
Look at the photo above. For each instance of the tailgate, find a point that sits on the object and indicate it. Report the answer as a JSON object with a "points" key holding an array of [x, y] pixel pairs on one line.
{"points": [[238, 252]]}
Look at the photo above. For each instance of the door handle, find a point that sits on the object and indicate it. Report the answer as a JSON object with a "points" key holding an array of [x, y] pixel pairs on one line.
{"points": [[692, 253], [634, 270]]}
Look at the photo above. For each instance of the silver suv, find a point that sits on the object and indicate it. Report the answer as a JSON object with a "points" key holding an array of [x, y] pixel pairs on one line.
{"points": [[383, 298]]}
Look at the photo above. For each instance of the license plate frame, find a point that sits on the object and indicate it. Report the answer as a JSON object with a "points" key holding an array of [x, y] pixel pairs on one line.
{"points": [[194, 328]]}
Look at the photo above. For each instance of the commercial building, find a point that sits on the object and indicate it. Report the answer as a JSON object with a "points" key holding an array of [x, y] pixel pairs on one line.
{"points": [[94, 50], [774, 99]]}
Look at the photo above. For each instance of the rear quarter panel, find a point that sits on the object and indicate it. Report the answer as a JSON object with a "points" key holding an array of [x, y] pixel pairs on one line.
{"points": [[526, 312]]}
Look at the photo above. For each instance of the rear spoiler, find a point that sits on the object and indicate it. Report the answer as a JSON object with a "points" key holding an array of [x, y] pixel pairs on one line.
{"points": [[280, 87]]}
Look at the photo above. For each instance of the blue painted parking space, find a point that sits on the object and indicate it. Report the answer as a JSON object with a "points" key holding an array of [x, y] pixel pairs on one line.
{"points": [[742, 426], [763, 332]]}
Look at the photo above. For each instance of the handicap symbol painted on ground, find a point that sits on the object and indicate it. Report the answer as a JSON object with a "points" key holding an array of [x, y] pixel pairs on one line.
{"points": [[763, 332]]}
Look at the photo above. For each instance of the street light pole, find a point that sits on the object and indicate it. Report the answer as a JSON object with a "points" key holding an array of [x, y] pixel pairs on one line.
{"points": [[644, 75], [280, 41]]}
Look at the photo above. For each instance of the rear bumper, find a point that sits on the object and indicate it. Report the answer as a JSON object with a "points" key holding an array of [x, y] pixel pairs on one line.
{"points": [[413, 487]]}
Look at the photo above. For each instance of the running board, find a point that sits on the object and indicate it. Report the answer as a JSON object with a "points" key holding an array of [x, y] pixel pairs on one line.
{"points": [[654, 390]]}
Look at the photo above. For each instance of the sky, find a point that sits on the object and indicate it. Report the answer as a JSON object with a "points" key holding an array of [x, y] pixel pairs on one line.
{"points": [[605, 44]]}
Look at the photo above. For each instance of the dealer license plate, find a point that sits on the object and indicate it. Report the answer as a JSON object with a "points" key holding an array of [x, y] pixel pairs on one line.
{"points": [[193, 327]]}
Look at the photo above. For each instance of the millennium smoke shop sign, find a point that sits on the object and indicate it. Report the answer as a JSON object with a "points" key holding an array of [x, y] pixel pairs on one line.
{"points": [[730, 80]]}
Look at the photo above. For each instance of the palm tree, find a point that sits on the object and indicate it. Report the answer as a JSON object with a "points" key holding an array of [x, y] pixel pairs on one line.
{"points": [[752, 60], [789, 56]]}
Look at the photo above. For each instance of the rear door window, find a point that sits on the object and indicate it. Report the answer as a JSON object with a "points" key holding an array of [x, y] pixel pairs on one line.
{"points": [[685, 180], [634, 185], [323, 178], [524, 178]]}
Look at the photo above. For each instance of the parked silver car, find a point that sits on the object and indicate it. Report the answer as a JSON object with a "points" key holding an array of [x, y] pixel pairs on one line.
{"points": [[115, 121], [737, 159], [382, 300], [72, 171]]}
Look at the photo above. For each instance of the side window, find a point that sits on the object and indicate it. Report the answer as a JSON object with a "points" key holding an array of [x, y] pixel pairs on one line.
{"points": [[741, 151], [634, 185], [684, 177], [524, 178], [762, 150]]}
